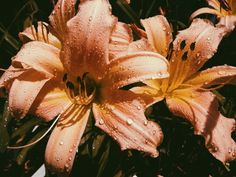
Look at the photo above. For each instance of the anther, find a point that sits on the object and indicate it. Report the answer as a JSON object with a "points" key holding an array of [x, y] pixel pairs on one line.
{"points": [[182, 44], [192, 46], [185, 56], [64, 77], [70, 85]]}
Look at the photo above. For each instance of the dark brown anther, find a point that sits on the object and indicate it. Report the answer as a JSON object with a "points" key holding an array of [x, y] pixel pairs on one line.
{"points": [[192, 46], [182, 44], [79, 80], [70, 85], [64, 77], [170, 51], [185, 56]]}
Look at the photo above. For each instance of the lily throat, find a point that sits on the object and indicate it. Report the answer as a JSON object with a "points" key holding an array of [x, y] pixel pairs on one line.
{"points": [[81, 89]]}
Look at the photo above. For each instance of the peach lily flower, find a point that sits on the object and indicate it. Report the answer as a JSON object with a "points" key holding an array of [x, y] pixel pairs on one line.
{"points": [[187, 92], [83, 74], [225, 10]]}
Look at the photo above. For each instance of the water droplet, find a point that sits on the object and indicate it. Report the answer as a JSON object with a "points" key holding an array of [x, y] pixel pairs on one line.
{"points": [[145, 122], [221, 72], [146, 141], [71, 150], [139, 46], [198, 54], [67, 165], [155, 154], [233, 154], [70, 158], [139, 107], [57, 159], [129, 121], [205, 83], [101, 121], [208, 38], [90, 18], [230, 150], [154, 132], [159, 74], [61, 143]]}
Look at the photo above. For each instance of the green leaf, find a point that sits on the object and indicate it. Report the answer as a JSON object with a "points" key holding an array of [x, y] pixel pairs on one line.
{"points": [[29, 125], [20, 159], [4, 120], [129, 12], [104, 159]]}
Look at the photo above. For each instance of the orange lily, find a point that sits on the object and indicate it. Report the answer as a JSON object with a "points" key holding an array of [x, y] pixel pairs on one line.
{"points": [[187, 90], [225, 10], [83, 73]]}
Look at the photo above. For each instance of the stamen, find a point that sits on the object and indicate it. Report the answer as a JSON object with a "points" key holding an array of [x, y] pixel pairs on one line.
{"points": [[185, 56], [192, 45], [64, 77], [182, 44], [33, 32], [70, 85], [44, 38]]}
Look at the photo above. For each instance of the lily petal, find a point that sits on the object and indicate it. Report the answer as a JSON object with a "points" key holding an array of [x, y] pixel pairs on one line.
{"points": [[154, 95], [192, 48], [131, 69], [41, 57], [63, 11], [205, 10], [23, 92], [158, 33], [201, 109], [86, 41], [140, 45], [50, 101], [122, 117], [120, 39], [228, 21], [218, 75], [9, 75], [41, 34], [64, 140]]}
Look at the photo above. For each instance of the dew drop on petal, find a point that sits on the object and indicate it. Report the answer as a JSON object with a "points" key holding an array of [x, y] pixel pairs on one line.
{"points": [[145, 122], [155, 154], [61, 143], [154, 132], [129, 121], [101, 121], [221, 72]]}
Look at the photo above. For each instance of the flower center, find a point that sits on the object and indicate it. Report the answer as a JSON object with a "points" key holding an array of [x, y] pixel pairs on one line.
{"points": [[81, 90]]}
